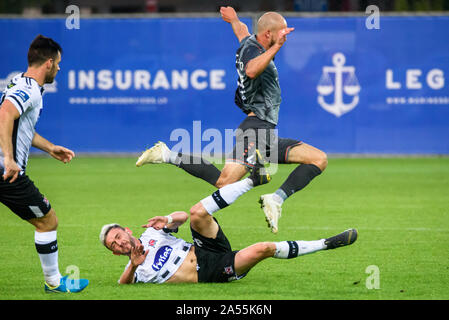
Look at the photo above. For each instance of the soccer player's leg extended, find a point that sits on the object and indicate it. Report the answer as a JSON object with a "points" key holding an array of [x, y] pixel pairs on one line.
{"points": [[247, 258]]}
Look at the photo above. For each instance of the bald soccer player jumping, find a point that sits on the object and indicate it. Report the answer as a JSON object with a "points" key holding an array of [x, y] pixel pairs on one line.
{"points": [[258, 95]]}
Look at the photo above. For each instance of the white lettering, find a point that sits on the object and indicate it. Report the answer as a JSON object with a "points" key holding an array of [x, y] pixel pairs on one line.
{"points": [[216, 79], [141, 79], [126, 84], [214, 148], [179, 80], [373, 280], [160, 81], [435, 79], [72, 80], [86, 79], [194, 79], [412, 79], [73, 20], [373, 21], [390, 82], [105, 81]]}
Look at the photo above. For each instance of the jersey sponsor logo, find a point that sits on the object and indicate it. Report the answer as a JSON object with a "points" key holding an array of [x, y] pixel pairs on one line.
{"points": [[22, 95], [152, 243], [345, 83], [161, 257]]}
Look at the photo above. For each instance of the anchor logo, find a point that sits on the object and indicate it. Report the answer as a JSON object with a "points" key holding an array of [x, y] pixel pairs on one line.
{"points": [[345, 82]]}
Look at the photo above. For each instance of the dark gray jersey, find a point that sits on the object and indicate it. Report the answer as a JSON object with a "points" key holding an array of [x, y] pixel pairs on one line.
{"points": [[261, 95]]}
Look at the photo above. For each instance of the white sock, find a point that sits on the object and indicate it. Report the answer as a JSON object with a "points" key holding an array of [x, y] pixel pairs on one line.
{"points": [[47, 249], [226, 195], [278, 198], [293, 249]]}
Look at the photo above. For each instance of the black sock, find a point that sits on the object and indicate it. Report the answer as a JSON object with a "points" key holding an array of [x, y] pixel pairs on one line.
{"points": [[299, 178], [198, 167]]}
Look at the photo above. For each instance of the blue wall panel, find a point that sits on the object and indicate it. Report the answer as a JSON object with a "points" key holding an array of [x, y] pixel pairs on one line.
{"points": [[126, 83]]}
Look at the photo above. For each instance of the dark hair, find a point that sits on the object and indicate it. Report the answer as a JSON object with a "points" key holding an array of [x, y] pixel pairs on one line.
{"points": [[42, 49]]}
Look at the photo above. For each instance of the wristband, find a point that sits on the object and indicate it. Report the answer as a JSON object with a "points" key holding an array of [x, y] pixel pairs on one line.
{"points": [[170, 219]]}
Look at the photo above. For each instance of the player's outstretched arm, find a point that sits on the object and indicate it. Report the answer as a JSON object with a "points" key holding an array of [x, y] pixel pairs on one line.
{"points": [[58, 152], [171, 221], [229, 15]]}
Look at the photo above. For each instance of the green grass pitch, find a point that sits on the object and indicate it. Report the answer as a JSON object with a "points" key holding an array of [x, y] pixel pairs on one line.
{"points": [[399, 206]]}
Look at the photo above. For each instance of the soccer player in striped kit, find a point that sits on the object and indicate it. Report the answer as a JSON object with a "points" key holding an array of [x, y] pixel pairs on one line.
{"points": [[159, 257], [20, 108]]}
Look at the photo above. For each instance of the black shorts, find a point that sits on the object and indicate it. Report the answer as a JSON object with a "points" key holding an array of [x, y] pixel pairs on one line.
{"points": [[215, 258], [23, 198], [253, 134]]}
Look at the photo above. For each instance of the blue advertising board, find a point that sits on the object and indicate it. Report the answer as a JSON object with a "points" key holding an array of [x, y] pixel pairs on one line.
{"points": [[127, 83]]}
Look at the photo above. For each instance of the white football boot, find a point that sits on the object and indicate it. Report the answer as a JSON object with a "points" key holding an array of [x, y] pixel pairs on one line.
{"points": [[159, 153], [272, 210]]}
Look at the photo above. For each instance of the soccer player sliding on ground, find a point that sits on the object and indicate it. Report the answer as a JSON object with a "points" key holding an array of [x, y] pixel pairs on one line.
{"points": [[159, 257], [259, 96]]}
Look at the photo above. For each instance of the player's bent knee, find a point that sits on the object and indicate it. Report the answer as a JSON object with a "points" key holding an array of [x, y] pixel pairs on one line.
{"points": [[265, 249], [321, 161], [197, 212], [224, 180], [47, 223]]}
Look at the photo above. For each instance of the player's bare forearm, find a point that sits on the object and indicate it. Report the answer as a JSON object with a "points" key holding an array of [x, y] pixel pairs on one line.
{"points": [[127, 276], [42, 143], [179, 217], [8, 114], [159, 222], [6, 128], [229, 15], [240, 30], [58, 152], [257, 65]]}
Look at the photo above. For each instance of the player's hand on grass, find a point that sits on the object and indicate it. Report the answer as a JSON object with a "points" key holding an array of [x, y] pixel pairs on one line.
{"points": [[138, 255], [282, 35], [228, 14], [12, 170], [62, 154], [157, 222]]}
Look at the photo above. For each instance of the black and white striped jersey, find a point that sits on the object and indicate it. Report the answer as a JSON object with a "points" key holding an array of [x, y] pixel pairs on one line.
{"points": [[166, 254], [26, 95]]}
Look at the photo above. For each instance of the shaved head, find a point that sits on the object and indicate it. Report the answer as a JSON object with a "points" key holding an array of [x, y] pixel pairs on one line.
{"points": [[271, 21], [268, 27]]}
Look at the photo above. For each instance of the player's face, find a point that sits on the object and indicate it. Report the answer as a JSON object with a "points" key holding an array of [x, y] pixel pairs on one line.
{"points": [[275, 33], [51, 74], [119, 242]]}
